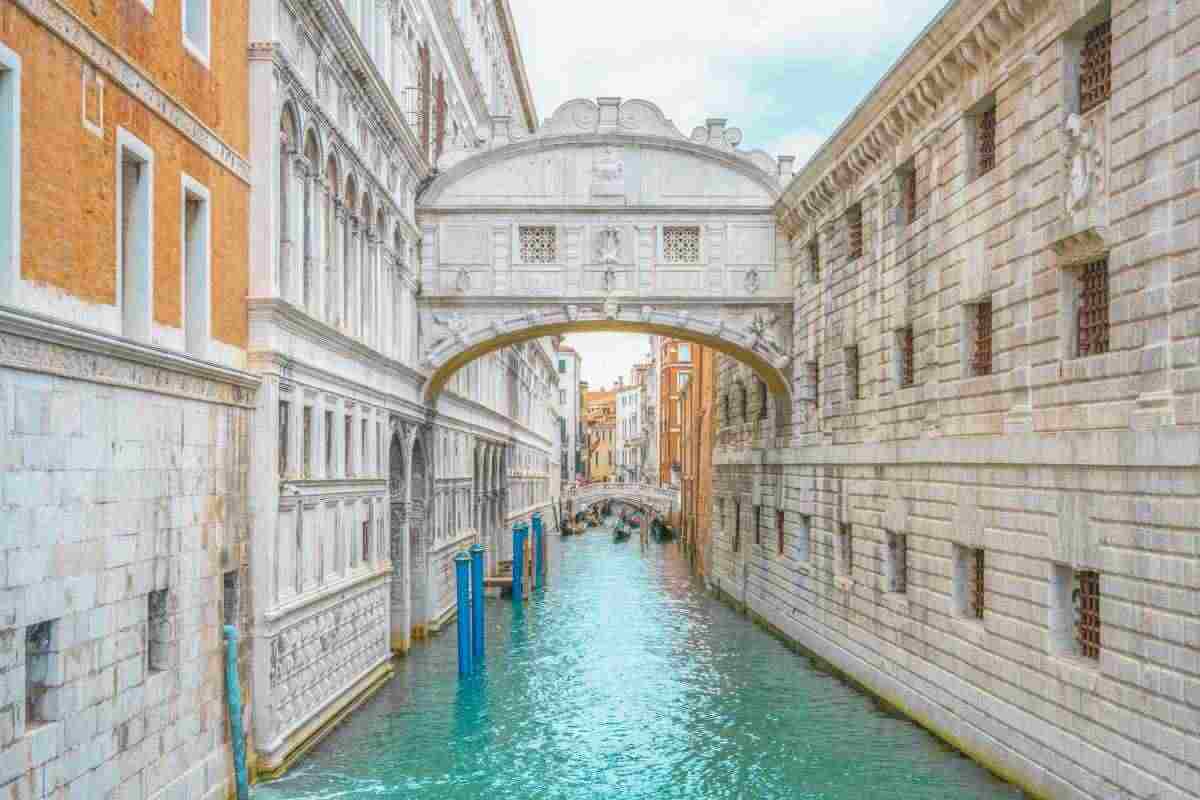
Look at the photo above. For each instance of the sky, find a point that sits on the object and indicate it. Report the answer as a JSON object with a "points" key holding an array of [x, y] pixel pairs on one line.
{"points": [[787, 72]]}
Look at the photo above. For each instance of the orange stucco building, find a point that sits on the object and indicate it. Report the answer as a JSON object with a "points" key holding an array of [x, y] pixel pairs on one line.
{"points": [[698, 425], [675, 368], [601, 421]]}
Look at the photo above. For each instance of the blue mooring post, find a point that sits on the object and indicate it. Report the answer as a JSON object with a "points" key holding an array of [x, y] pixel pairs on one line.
{"points": [[462, 570], [477, 604], [518, 584], [233, 694], [539, 566]]}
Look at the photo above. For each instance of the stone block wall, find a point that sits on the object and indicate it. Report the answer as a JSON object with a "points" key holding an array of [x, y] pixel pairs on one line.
{"points": [[123, 535], [947, 527]]}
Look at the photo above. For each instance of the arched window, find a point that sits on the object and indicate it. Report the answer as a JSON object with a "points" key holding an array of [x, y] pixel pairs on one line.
{"points": [[287, 151], [331, 223], [310, 212]]}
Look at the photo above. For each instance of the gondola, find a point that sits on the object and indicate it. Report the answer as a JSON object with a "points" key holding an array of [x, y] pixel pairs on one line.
{"points": [[621, 532]]}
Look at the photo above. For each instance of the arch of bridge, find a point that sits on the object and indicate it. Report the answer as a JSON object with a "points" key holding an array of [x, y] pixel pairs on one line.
{"points": [[660, 500], [579, 226]]}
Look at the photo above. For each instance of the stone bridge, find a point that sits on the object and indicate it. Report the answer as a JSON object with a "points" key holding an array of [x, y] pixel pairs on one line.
{"points": [[658, 499], [607, 219]]}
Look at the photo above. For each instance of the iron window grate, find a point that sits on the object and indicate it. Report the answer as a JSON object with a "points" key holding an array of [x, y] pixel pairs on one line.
{"points": [[907, 360], [1087, 614], [1095, 67], [986, 141], [982, 362], [854, 227], [977, 585], [779, 531], [1092, 317], [899, 547]]}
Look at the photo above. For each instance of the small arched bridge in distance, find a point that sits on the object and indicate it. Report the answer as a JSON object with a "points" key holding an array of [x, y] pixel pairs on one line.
{"points": [[658, 500]]}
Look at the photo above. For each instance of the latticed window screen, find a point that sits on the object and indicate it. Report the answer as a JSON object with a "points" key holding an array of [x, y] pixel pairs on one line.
{"points": [[854, 229], [907, 366], [981, 363], [898, 550], [1087, 613], [985, 142], [1092, 316], [1095, 67], [681, 244], [539, 244], [814, 259], [977, 585]]}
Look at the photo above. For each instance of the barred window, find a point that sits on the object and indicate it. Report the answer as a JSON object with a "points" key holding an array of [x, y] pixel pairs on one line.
{"points": [[539, 244], [904, 341], [814, 381], [909, 199], [1092, 315], [814, 259], [985, 142], [681, 244], [758, 524], [1095, 67], [737, 525], [981, 361], [898, 562], [854, 229], [852, 389], [847, 547], [1086, 601], [779, 531]]}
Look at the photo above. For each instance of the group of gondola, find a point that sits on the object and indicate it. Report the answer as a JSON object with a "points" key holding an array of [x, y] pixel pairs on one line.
{"points": [[628, 522]]}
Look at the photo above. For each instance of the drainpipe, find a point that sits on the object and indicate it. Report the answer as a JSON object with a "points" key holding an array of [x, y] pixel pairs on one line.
{"points": [[233, 698]]}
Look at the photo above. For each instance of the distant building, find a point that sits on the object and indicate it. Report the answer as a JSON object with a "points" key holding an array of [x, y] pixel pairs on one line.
{"points": [[698, 424], [601, 430], [570, 399], [630, 441], [674, 371]]}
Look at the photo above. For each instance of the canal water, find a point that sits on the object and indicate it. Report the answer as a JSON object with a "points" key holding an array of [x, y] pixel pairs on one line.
{"points": [[624, 680]]}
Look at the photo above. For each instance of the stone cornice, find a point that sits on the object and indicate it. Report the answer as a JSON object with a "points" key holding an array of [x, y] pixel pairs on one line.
{"points": [[59, 19], [767, 212], [956, 45], [36, 343]]}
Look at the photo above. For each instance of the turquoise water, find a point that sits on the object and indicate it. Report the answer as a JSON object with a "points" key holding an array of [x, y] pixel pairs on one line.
{"points": [[623, 680]]}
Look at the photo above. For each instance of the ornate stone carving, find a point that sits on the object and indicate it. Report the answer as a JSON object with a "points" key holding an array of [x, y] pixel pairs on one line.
{"points": [[646, 312], [452, 325], [1084, 156], [572, 312], [463, 281], [609, 279], [762, 332], [611, 308], [608, 245], [608, 172], [753, 281]]}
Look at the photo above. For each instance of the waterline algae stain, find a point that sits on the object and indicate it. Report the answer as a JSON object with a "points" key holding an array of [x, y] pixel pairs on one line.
{"points": [[624, 679]]}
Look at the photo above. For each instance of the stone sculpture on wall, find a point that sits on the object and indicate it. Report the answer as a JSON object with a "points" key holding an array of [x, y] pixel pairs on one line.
{"points": [[608, 172], [1084, 161]]}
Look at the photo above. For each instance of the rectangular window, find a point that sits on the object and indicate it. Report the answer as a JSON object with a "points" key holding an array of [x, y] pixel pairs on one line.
{"points": [[985, 138], [682, 380], [285, 414], [135, 241], [685, 352], [846, 548], [1095, 67], [681, 244], [562, 365], [158, 631], [196, 267], [1086, 607], [348, 440], [39, 669], [897, 572], [758, 525], [854, 230], [307, 443], [737, 526], [907, 365], [969, 586], [779, 531], [908, 186], [328, 444], [1092, 314], [230, 598], [814, 260], [852, 373], [814, 381], [10, 172], [539, 244], [195, 28], [366, 534], [981, 347]]}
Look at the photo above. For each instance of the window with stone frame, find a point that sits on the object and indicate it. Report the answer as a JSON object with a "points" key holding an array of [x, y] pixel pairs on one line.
{"points": [[897, 562], [969, 583], [158, 631], [906, 363], [196, 18], [366, 534], [10, 172], [681, 244], [779, 531], [980, 330], [854, 231], [814, 259], [908, 192], [539, 244], [737, 526], [758, 525], [813, 368], [1095, 67], [1091, 311], [41, 666], [852, 367], [1085, 605], [845, 548], [983, 139], [285, 415]]}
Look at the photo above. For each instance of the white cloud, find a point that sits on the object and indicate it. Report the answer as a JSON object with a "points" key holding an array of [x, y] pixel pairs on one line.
{"points": [[608, 356], [696, 59]]}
